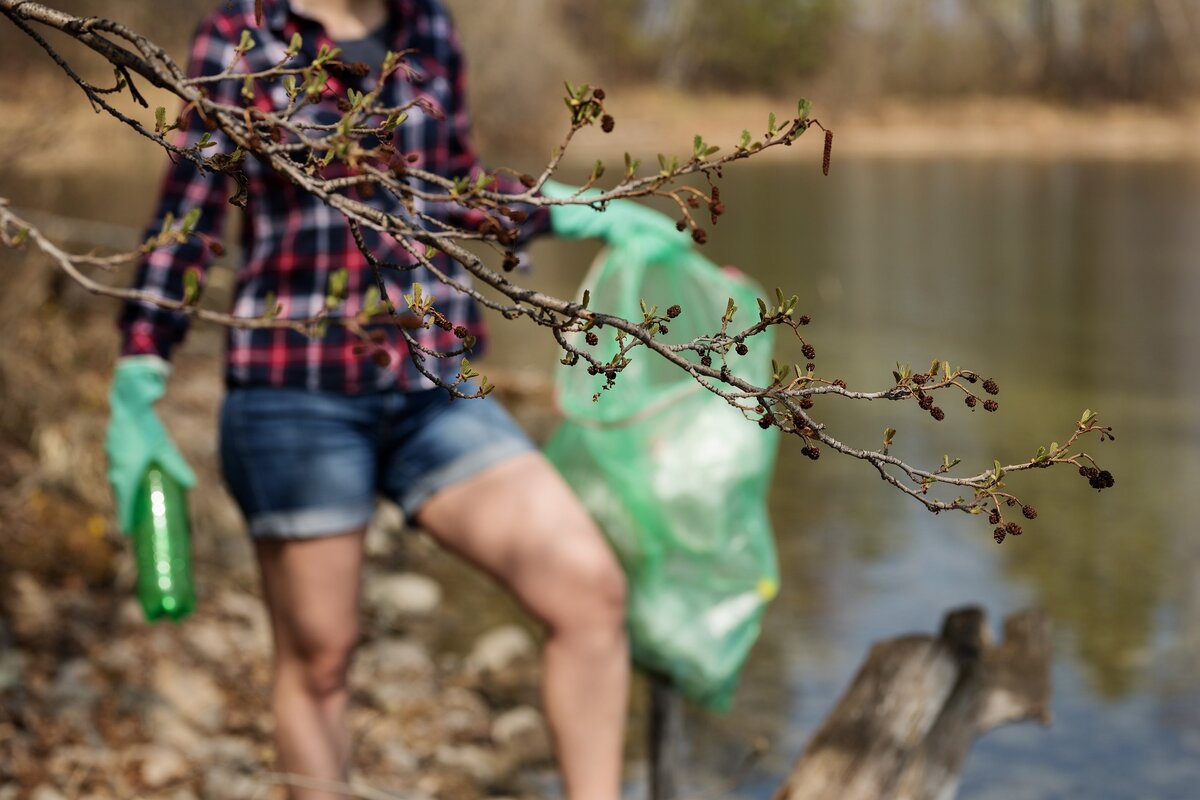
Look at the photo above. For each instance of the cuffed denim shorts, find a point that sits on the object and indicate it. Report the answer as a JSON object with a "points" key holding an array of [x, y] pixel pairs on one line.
{"points": [[303, 464]]}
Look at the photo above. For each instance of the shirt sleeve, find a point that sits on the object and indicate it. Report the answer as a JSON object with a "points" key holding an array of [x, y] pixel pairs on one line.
{"points": [[148, 329], [465, 161]]}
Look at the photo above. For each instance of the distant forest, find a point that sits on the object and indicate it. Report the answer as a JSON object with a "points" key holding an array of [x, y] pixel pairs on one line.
{"points": [[1065, 49], [1071, 50]]}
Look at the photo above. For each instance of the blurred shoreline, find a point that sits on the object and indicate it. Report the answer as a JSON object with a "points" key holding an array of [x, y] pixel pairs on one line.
{"points": [[980, 126], [654, 119]]}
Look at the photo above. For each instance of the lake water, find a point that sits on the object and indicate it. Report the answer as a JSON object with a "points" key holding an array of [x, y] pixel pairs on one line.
{"points": [[1072, 284]]}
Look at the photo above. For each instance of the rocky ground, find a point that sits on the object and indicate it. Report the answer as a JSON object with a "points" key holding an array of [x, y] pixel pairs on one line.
{"points": [[96, 702]]}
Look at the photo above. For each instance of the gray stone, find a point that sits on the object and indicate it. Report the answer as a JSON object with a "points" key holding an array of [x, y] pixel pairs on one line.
{"points": [[231, 751], [252, 638], [393, 657], [74, 684], [384, 531], [396, 598], [210, 640], [394, 673], [161, 766], [179, 793], [71, 759], [30, 607], [12, 668], [118, 655], [521, 734], [397, 757], [130, 614], [483, 765], [221, 783], [165, 726], [393, 696], [73, 697], [192, 692], [244, 607], [503, 660], [46, 792], [463, 715]]}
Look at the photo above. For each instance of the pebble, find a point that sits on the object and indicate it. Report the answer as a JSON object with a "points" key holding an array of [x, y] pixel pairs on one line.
{"points": [[118, 655], [500, 649], [504, 662], [396, 756], [383, 531], [397, 598], [483, 765], [222, 783], [463, 715], [211, 641], [46, 792], [31, 609], [165, 726], [398, 658], [161, 766], [12, 666], [192, 692], [521, 733], [231, 751]]}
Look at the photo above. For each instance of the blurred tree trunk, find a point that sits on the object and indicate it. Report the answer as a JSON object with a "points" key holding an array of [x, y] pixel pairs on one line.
{"points": [[1177, 19], [677, 58]]}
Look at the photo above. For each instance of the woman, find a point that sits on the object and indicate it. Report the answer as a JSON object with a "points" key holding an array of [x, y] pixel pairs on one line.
{"points": [[311, 429]]}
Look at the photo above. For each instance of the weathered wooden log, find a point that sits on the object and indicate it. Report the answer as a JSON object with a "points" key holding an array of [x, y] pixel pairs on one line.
{"points": [[903, 729]]}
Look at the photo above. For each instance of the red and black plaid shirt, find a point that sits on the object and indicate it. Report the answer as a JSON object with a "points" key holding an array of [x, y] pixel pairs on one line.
{"points": [[291, 240]]}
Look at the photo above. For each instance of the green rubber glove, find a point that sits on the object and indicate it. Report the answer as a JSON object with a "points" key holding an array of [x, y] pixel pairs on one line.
{"points": [[622, 223], [135, 434]]}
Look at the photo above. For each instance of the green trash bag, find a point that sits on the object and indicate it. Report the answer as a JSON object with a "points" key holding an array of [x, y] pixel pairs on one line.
{"points": [[675, 477]]}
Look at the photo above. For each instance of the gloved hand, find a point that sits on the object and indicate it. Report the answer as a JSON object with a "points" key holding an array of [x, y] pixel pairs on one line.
{"points": [[135, 434], [621, 223]]}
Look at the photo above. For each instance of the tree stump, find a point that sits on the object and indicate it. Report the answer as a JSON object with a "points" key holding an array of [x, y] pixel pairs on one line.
{"points": [[903, 729]]}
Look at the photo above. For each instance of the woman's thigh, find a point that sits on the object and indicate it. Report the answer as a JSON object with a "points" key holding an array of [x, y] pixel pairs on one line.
{"points": [[520, 522], [312, 587]]}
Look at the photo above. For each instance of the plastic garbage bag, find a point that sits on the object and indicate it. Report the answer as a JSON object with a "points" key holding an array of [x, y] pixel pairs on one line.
{"points": [[675, 477]]}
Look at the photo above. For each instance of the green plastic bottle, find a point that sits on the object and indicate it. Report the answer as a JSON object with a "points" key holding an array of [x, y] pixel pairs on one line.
{"points": [[162, 547]]}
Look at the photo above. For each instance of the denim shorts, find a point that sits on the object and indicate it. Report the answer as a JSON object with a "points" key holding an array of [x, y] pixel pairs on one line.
{"points": [[303, 464]]}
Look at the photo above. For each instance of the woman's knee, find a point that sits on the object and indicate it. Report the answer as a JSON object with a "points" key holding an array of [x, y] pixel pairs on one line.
{"points": [[322, 667], [593, 591]]}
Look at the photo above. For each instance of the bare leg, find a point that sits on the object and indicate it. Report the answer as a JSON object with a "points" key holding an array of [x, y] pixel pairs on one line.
{"points": [[312, 592], [520, 522]]}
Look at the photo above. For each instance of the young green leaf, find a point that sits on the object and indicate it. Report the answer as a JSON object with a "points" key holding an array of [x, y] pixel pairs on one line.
{"points": [[191, 286], [189, 221]]}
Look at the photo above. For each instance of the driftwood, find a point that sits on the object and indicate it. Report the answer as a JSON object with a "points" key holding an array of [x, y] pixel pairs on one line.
{"points": [[903, 728]]}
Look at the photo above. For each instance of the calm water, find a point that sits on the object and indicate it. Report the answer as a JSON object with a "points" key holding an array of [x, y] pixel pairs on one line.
{"points": [[1074, 285]]}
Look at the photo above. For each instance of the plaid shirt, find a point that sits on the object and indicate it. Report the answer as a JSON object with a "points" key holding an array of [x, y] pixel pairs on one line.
{"points": [[291, 240]]}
